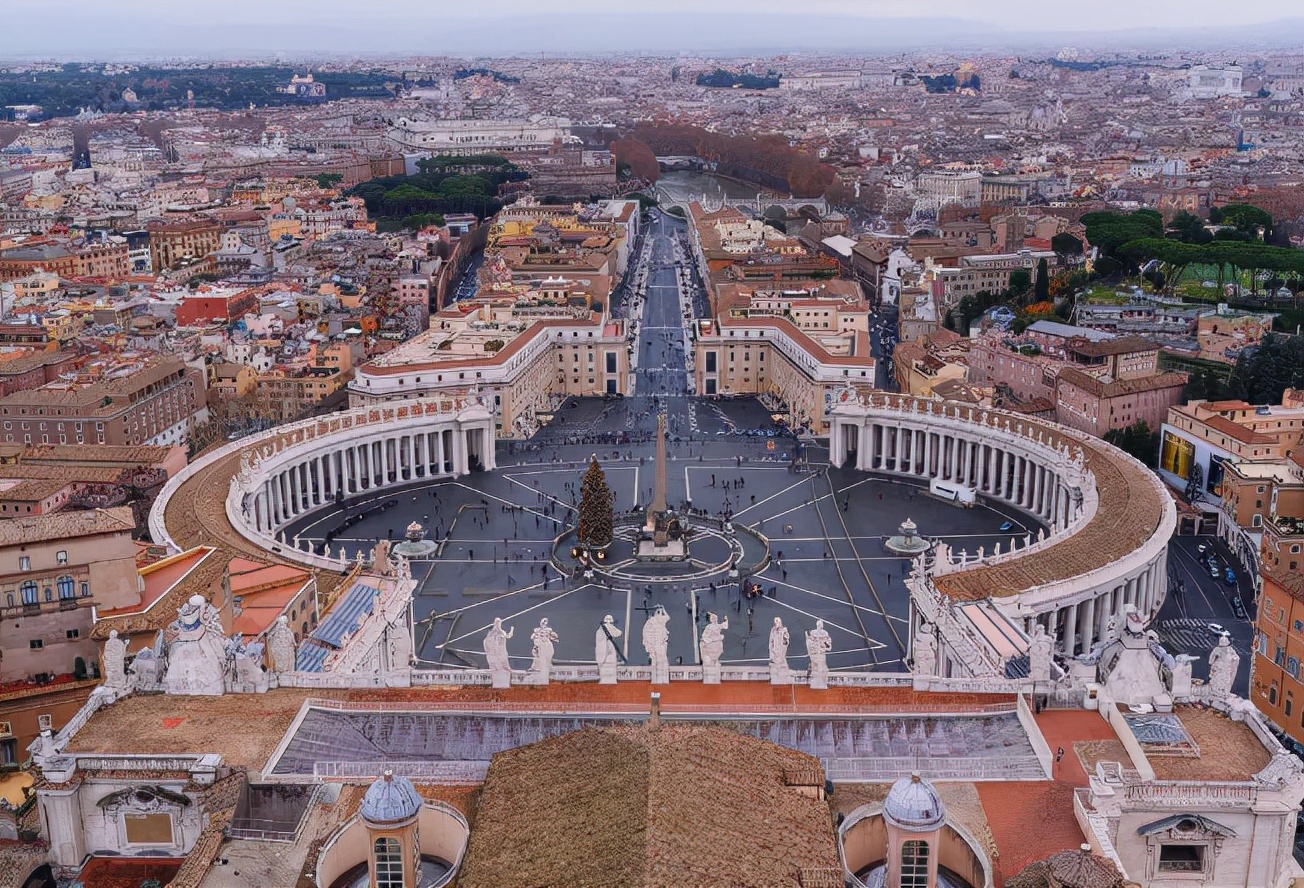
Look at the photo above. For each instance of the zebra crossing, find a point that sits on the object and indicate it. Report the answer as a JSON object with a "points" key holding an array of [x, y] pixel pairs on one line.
{"points": [[1186, 635]]}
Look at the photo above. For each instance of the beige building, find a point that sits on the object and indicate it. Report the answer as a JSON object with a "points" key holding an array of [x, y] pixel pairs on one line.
{"points": [[54, 571], [800, 348], [522, 359]]}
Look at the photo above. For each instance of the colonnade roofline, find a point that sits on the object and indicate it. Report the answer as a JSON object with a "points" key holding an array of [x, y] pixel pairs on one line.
{"points": [[1108, 512], [254, 472]]}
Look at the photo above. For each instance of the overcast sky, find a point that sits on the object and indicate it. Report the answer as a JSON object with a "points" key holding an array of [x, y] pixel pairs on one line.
{"points": [[110, 27]]}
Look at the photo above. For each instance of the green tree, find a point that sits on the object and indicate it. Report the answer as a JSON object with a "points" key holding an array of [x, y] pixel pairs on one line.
{"points": [[1189, 229], [1138, 440], [596, 519], [1041, 287], [1020, 281]]}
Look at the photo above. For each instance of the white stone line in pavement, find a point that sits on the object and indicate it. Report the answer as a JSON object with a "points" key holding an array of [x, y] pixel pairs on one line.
{"points": [[841, 601], [754, 505], [511, 616], [827, 622]]}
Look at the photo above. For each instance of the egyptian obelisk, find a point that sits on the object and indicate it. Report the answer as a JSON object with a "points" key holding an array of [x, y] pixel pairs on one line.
{"points": [[658, 505]]}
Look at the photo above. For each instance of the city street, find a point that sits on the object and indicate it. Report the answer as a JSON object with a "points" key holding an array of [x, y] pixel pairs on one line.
{"points": [[1184, 621]]}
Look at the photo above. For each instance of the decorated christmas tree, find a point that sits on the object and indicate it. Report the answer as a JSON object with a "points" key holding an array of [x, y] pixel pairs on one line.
{"points": [[594, 530]]}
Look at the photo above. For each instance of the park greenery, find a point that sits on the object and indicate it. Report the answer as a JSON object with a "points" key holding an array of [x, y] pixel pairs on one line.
{"points": [[75, 86], [722, 79], [442, 185], [1260, 376]]}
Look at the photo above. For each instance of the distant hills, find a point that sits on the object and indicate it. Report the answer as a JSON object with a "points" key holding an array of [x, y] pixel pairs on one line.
{"points": [[712, 33]]}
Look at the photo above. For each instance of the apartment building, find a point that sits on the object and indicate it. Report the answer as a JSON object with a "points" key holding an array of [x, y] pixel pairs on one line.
{"points": [[801, 348], [171, 243], [153, 402]]}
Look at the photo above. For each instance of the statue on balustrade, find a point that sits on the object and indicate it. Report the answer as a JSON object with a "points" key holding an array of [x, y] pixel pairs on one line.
{"points": [[545, 644], [818, 646], [115, 662], [197, 655], [779, 639], [495, 653], [656, 641], [1223, 662], [605, 652], [280, 645], [925, 651], [1040, 654]]}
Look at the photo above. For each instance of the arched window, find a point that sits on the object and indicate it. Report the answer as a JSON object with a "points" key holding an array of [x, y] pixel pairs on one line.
{"points": [[389, 864], [67, 588], [1272, 694], [914, 864], [29, 592]]}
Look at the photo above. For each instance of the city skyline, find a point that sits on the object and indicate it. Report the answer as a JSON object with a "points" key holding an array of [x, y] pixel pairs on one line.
{"points": [[243, 28]]}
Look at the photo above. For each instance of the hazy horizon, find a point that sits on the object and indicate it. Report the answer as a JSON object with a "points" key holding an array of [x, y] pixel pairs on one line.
{"points": [[245, 28]]}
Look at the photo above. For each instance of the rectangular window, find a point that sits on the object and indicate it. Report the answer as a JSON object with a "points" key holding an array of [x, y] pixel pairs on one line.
{"points": [[148, 829], [36, 644], [1181, 858], [710, 362], [1292, 667], [24, 562], [73, 634]]}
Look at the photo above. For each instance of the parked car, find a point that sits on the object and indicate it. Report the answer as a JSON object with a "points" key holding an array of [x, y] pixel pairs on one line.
{"points": [[1201, 548], [1217, 629], [1229, 577], [1238, 607], [1214, 572]]}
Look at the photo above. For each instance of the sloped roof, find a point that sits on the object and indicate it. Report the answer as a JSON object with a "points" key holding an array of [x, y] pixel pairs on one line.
{"points": [[649, 806]]}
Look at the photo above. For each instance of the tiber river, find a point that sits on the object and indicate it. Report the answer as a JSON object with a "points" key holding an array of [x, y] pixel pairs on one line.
{"points": [[685, 185]]}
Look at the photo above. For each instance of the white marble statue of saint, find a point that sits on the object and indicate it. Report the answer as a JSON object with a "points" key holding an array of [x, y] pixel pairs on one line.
{"points": [[495, 653], [1223, 662], [1040, 653], [280, 645], [604, 649], [779, 638], [712, 643], [925, 651], [115, 662], [197, 653], [818, 646], [400, 645], [544, 645], [656, 641]]}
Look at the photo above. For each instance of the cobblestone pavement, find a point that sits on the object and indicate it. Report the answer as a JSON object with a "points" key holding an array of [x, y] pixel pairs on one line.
{"points": [[825, 528]]}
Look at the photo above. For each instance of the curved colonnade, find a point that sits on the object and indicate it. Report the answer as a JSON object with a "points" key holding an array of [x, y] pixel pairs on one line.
{"points": [[298, 468], [1110, 517]]}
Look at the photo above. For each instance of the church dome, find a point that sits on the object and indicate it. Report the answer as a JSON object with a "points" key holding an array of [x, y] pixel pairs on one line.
{"points": [[912, 804], [390, 800]]}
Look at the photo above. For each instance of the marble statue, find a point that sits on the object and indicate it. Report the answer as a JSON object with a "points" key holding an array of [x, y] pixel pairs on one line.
{"points": [[1040, 650], [604, 649], [711, 647], [115, 662], [656, 641], [1111, 628], [925, 651], [544, 644], [144, 671], [246, 666], [818, 645], [400, 646], [1181, 672], [197, 652], [495, 653], [1223, 661], [380, 563], [779, 638], [280, 645]]}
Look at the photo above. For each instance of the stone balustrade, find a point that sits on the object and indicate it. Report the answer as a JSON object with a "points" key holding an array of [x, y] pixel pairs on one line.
{"points": [[1091, 566], [293, 470]]}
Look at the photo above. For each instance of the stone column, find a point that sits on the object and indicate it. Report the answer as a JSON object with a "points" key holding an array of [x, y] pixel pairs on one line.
{"points": [[1070, 629], [1088, 624]]}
